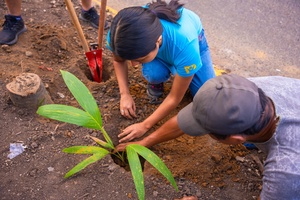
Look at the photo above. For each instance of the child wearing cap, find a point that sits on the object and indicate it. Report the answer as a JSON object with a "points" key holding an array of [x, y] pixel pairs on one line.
{"points": [[232, 109]]}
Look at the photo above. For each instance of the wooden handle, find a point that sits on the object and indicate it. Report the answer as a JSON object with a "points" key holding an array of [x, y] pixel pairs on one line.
{"points": [[77, 25], [101, 23]]}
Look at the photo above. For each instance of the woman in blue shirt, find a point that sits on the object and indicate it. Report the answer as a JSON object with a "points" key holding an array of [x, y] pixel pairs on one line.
{"points": [[166, 39]]}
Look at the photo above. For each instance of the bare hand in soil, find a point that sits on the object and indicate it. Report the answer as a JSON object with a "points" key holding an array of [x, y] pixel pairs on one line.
{"points": [[121, 147], [131, 132], [127, 106]]}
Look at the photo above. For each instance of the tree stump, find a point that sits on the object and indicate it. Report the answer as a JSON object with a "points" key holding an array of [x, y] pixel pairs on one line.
{"points": [[28, 91]]}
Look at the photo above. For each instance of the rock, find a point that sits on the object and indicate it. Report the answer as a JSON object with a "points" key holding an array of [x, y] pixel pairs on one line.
{"points": [[28, 53], [34, 145], [240, 159], [6, 48], [155, 193], [112, 167], [61, 95], [216, 157], [50, 169], [63, 45]]}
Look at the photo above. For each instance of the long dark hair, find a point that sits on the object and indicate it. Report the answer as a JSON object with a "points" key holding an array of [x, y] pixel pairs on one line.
{"points": [[135, 30]]}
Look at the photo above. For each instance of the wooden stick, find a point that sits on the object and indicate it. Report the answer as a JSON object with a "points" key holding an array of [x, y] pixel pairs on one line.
{"points": [[101, 23], [77, 25]]}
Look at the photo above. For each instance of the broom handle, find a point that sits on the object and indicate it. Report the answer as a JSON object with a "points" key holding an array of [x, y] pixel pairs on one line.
{"points": [[77, 25], [101, 23]]}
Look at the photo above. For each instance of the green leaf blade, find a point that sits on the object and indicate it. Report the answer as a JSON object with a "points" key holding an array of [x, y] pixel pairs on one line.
{"points": [[136, 171], [102, 143], [106, 137], [85, 150], [155, 161], [82, 95], [68, 114], [80, 166]]}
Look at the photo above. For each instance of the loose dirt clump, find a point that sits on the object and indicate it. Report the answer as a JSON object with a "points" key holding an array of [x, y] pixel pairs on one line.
{"points": [[201, 166]]}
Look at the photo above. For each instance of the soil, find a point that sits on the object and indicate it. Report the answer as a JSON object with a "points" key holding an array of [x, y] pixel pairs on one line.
{"points": [[200, 165]]}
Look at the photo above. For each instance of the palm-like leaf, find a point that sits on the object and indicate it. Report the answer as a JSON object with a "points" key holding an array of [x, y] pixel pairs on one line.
{"points": [[90, 117], [82, 95], [94, 158], [102, 143], [154, 160], [84, 150], [68, 114], [136, 171], [85, 100]]}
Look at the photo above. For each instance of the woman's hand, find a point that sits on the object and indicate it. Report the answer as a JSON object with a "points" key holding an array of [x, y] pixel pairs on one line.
{"points": [[127, 106], [131, 132]]}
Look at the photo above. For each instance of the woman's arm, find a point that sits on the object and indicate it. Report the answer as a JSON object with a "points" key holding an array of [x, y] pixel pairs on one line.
{"points": [[127, 105], [179, 88]]}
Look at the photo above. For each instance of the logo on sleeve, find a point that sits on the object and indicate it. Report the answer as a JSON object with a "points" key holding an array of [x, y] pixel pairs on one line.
{"points": [[190, 68]]}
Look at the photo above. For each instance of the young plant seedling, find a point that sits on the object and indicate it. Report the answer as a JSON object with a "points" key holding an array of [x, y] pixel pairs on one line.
{"points": [[90, 117]]}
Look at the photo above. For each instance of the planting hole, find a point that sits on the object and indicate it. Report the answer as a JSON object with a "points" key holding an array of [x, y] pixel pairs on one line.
{"points": [[107, 69], [125, 164]]}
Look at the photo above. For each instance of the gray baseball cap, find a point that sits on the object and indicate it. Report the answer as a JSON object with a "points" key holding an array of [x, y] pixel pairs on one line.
{"points": [[225, 105]]}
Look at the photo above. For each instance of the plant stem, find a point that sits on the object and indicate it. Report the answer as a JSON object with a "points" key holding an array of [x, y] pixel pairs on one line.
{"points": [[120, 156], [106, 136]]}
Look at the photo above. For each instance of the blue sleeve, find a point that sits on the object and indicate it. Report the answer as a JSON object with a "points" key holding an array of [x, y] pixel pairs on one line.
{"points": [[107, 44], [188, 60]]}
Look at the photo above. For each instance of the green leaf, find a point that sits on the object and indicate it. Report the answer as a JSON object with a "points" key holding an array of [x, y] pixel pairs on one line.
{"points": [[102, 143], [136, 171], [68, 114], [106, 137], [82, 95], [80, 166], [85, 150], [155, 161]]}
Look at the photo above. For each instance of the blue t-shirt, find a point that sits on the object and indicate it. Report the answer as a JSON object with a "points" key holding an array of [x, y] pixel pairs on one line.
{"points": [[180, 44]]}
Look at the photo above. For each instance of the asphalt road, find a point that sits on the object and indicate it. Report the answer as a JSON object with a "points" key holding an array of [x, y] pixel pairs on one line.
{"points": [[247, 37]]}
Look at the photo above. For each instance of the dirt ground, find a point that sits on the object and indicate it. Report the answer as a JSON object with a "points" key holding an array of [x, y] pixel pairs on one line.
{"points": [[200, 165]]}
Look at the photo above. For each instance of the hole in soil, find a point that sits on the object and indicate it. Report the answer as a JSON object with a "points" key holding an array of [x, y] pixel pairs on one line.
{"points": [[125, 164], [107, 69]]}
